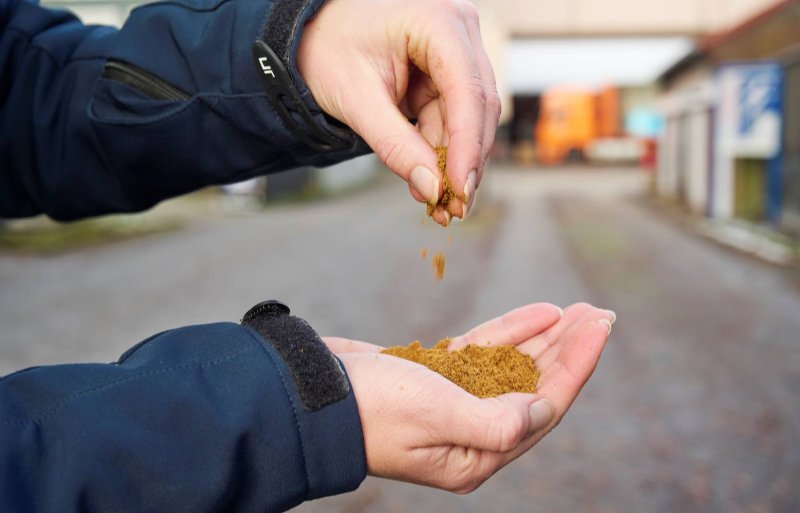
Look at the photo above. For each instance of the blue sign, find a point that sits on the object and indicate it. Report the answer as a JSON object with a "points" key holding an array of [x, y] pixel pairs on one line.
{"points": [[759, 95]]}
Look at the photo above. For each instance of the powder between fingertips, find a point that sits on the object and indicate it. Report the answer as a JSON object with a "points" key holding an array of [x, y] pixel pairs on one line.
{"points": [[481, 371], [448, 193]]}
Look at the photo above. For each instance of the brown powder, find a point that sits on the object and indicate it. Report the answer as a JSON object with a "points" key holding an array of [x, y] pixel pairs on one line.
{"points": [[448, 193], [481, 371], [423, 253], [438, 266]]}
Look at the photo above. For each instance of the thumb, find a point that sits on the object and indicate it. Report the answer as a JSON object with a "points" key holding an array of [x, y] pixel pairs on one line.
{"points": [[497, 424], [399, 145]]}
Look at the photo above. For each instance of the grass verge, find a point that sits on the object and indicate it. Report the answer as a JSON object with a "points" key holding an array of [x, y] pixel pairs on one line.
{"points": [[41, 236]]}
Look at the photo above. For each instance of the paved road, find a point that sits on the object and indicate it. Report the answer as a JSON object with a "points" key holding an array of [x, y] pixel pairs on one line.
{"points": [[694, 407]]}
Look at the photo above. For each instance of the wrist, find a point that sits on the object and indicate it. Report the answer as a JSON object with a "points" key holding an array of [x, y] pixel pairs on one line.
{"points": [[322, 401], [304, 54], [317, 375], [275, 62], [310, 60]]}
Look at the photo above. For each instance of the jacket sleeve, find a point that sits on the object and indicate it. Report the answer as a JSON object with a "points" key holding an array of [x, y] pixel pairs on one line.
{"points": [[199, 419], [96, 120]]}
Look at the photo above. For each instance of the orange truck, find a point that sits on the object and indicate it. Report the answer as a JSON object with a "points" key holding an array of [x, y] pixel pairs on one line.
{"points": [[571, 119]]}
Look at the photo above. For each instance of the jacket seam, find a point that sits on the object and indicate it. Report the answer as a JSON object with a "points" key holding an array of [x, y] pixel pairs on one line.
{"points": [[34, 46], [173, 3], [201, 98], [82, 393], [262, 343]]}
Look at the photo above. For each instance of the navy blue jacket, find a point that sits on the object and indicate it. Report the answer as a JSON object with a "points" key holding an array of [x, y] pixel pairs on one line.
{"points": [[76, 139], [198, 419]]}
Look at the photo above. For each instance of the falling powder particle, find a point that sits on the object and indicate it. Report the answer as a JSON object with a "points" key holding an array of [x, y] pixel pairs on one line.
{"points": [[438, 266], [481, 371], [443, 204]]}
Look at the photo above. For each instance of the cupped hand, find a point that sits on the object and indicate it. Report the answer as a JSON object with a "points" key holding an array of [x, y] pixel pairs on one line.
{"points": [[375, 64], [420, 427]]}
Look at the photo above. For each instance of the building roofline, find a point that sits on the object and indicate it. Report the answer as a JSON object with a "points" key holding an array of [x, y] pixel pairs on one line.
{"points": [[694, 57], [610, 34], [715, 39], [706, 45]]}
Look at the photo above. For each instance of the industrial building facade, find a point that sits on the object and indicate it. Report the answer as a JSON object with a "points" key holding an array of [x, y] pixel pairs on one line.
{"points": [[731, 147]]}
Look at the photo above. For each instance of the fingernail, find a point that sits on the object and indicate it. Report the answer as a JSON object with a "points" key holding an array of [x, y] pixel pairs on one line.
{"points": [[469, 191], [426, 183], [447, 218], [613, 316], [606, 323], [541, 414], [560, 311]]}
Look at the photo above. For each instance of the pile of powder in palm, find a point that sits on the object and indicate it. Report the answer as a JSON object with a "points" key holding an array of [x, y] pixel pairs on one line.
{"points": [[481, 371]]}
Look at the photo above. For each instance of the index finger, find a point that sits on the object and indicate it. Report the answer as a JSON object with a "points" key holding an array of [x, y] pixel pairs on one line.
{"points": [[514, 327]]}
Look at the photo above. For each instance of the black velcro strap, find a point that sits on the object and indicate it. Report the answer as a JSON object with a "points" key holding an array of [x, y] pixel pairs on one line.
{"points": [[284, 21], [271, 55], [317, 374]]}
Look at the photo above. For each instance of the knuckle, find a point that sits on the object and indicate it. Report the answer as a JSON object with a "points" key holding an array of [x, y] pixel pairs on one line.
{"points": [[467, 87], [477, 89], [486, 149], [504, 431], [470, 136], [389, 149], [494, 104], [511, 433], [583, 307]]}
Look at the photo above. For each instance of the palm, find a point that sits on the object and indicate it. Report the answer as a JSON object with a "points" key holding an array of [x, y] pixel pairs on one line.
{"points": [[566, 352], [444, 430]]}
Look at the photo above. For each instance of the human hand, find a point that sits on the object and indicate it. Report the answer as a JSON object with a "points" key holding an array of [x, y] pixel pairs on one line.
{"points": [[374, 64], [420, 427]]}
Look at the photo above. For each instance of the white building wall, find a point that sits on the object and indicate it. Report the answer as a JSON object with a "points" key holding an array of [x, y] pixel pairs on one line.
{"points": [[668, 159], [685, 152], [698, 153], [587, 17]]}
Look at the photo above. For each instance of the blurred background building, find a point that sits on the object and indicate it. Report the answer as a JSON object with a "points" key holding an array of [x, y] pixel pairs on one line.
{"points": [[711, 87], [731, 149]]}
